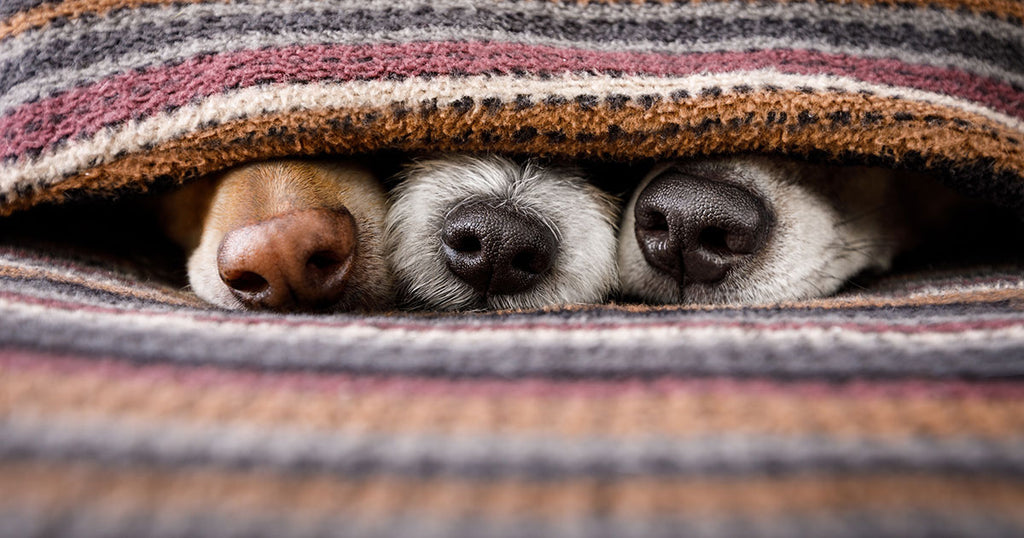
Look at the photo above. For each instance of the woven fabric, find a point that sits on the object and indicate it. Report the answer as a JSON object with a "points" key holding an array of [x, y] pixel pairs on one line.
{"points": [[129, 408]]}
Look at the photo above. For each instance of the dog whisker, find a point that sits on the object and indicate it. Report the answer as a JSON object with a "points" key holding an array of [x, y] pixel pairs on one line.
{"points": [[871, 212]]}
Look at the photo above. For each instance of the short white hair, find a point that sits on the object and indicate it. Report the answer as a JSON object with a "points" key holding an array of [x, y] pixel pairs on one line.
{"points": [[580, 217], [828, 227]]}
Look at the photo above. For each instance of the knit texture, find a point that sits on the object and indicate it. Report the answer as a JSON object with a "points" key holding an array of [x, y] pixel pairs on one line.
{"points": [[129, 408], [99, 96]]}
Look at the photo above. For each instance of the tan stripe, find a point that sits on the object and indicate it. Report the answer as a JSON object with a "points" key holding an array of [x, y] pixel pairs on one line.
{"points": [[158, 398], [60, 486], [136, 290], [936, 296], [357, 130], [72, 9], [939, 296]]}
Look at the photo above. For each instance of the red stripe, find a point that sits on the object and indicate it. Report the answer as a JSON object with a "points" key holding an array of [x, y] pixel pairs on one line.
{"points": [[468, 324], [136, 95], [323, 382]]}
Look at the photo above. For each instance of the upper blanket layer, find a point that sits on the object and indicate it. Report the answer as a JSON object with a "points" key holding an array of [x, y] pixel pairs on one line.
{"points": [[101, 95]]}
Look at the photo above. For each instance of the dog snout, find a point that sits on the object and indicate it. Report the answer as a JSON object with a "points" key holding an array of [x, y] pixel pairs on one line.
{"points": [[497, 250], [696, 229], [294, 261]]}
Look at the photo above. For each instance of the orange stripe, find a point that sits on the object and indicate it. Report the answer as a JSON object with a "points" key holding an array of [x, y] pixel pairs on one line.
{"points": [[583, 133], [59, 486], [72, 9], [679, 414]]}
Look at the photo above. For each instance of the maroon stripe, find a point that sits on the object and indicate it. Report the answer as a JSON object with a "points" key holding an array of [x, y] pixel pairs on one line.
{"points": [[136, 95], [200, 377], [467, 324]]}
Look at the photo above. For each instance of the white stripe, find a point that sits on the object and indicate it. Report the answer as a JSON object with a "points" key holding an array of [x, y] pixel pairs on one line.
{"points": [[62, 79], [133, 136]]}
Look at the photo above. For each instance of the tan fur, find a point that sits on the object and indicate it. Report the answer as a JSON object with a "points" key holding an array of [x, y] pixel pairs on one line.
{"points": [[200, 214]]}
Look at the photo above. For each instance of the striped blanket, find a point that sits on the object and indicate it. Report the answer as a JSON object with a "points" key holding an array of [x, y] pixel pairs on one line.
{"points": [[129, 408]]}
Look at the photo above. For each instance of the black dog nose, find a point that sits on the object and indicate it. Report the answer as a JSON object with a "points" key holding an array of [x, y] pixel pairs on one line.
{"points": [[497, 250], [696, 229]]}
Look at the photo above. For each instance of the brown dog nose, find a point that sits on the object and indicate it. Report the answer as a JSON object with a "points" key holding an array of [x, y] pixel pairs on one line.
{"points": [[696, 229], [497, 250], [293, 261]]}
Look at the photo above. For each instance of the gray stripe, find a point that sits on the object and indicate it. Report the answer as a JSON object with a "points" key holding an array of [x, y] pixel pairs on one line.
{"points": [[642, 350], [86, 295], [63, 49], [926, 20], [539, 457], [51, 82], [12, 7], [86, 521]]}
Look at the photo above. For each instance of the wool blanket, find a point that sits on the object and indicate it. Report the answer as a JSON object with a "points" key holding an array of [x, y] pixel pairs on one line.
{"points": [[129, 408]]}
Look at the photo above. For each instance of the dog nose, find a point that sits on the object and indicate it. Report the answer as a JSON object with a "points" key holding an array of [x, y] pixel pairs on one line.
{"points": [[497, 250], [295, 261], [696, 229]]}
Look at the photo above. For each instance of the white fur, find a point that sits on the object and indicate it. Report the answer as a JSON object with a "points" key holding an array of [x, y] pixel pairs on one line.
{"points": [[580, 217], [829, 226]]}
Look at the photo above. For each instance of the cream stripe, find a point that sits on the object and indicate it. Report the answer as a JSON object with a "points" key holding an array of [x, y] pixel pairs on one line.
{"points": [[51, 167]]}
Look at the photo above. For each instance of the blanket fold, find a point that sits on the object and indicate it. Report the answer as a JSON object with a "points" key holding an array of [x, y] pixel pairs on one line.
{"points": [[98, 97]]}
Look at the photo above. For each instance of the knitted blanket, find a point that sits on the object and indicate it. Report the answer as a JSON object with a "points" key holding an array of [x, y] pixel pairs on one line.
{"points": [[129, 408]]}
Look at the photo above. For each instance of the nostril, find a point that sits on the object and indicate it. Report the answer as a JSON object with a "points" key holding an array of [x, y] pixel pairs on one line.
{"points": [[531, 262], [247, 282], [714, 239], [653, 221], [466, 244], [745, 242], [324, 261]]}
